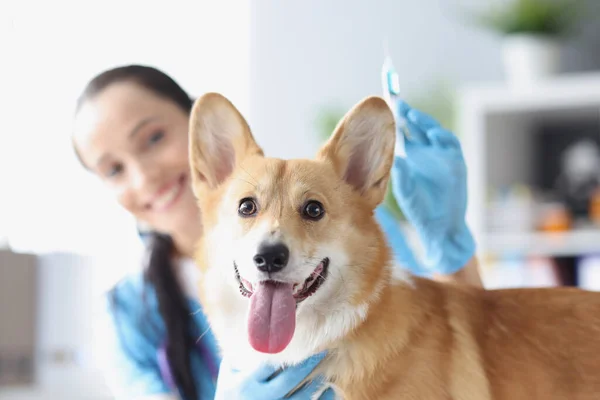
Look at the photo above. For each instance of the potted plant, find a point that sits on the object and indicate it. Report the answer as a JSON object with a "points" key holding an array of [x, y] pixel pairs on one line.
{"points": [[533, 31]]}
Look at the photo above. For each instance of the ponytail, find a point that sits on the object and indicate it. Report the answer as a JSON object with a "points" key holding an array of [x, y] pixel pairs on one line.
{"points": [[174, 310]]}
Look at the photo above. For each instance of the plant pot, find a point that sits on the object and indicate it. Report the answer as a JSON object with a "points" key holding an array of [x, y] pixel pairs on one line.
{"points": [[530, 58]]}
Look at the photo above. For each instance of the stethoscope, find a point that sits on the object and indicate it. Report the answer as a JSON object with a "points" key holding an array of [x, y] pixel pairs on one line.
{"points": [[165, 369], [161, 353]]}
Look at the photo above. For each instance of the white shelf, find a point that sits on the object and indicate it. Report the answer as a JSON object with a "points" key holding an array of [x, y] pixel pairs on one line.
{"points": [[573, 243], [563, 92]]}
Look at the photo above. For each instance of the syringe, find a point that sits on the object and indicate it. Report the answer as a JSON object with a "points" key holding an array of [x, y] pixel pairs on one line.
{"points": [[391, 93]]}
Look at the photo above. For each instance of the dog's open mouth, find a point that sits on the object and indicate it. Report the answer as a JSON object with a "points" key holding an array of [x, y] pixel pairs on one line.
{"points": [[273, 304], [301, 291]]}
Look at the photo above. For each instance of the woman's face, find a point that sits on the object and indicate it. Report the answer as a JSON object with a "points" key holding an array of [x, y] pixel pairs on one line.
{"points": [[137, 143]]}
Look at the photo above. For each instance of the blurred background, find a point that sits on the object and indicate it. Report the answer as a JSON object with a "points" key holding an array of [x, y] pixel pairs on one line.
{"points": [[520, 89]]}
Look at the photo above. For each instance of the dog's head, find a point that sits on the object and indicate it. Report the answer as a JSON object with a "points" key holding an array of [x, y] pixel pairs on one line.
{"points": [[291, 252]]}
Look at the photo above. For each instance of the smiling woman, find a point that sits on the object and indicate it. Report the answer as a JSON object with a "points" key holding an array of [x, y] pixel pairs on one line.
{"points": [[131, 131]]}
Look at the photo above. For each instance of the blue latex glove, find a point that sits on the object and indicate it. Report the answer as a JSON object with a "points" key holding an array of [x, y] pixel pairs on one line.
{"points": [[256, 385], [430, 186]]}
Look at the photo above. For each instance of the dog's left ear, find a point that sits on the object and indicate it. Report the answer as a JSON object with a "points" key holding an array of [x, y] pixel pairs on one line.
{"points": [[362, 148], [220, 139]]}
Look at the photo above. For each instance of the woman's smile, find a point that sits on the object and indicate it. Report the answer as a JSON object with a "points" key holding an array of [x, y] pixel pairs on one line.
{"points": [[168, 195]]}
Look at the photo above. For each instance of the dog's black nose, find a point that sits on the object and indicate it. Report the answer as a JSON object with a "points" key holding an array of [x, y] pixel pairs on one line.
{"points": [[272, 257]]}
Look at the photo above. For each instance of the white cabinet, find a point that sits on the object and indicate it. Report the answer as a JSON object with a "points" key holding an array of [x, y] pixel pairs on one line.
{"points": [[500, 129]]}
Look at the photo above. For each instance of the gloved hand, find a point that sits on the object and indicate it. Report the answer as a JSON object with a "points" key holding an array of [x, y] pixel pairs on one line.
{"points": [[430, 186], [256, 385]]}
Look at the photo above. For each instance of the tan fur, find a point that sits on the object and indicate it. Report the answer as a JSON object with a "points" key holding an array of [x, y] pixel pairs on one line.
{"points": [[387, 338]]}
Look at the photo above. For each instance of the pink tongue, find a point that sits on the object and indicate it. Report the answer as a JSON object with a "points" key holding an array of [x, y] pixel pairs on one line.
{"points": [[272, 318]]}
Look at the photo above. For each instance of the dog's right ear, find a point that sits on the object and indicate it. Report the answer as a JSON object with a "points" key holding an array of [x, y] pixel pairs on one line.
{"points": [[361, 148], [220, 139]]}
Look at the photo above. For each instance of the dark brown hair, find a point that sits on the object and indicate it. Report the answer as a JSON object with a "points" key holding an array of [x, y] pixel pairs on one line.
{"points": [[159, 271]]}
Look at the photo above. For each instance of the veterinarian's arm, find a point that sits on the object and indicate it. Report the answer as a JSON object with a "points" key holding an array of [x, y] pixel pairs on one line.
{"points": [[430, 186], [127, 356], [469, 274], [403, 255], [405, 258]]}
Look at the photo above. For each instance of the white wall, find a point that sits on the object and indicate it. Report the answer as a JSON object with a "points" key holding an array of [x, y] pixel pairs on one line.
{"points": [[306, 54]]}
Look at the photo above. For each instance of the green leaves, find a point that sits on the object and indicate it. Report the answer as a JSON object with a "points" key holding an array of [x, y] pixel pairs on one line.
{"points": [[541, 17]]}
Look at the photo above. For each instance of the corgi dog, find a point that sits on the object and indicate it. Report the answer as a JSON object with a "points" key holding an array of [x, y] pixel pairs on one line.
{"points": [[294, 263]]}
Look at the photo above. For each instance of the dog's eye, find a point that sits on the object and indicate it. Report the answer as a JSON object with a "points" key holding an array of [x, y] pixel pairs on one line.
{"points": [[313, 210], [247, 208]]}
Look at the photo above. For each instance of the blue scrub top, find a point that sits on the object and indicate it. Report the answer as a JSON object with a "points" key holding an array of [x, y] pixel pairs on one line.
{"points": [[138, 331]]}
